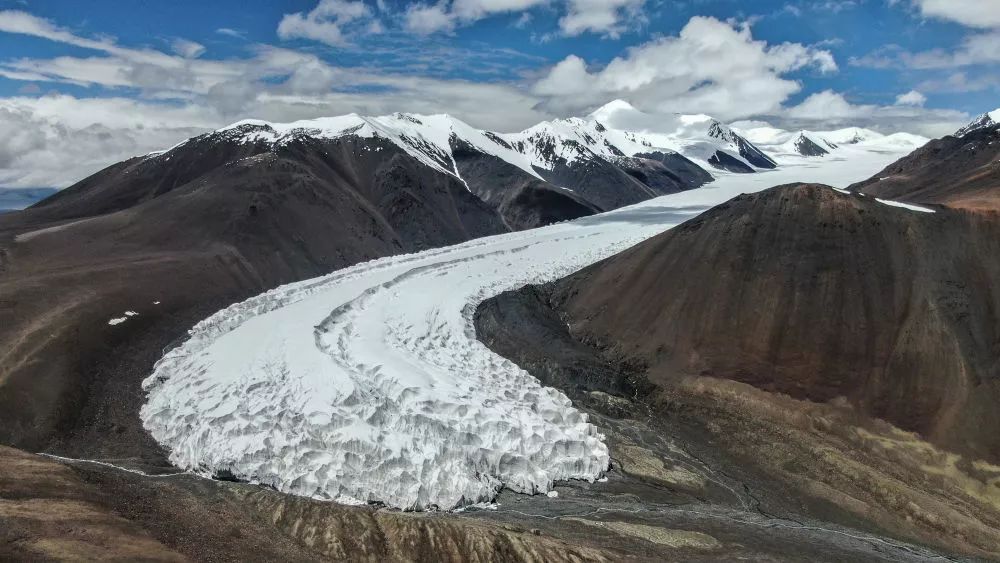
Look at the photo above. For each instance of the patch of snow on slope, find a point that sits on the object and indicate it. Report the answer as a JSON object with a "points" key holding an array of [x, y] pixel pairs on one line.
{"points": [[909, 206], [368, 384]]}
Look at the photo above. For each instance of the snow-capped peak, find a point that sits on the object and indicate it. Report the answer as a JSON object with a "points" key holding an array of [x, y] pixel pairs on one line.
{"points": [[988, 119], [612, 107], [614, 131]]}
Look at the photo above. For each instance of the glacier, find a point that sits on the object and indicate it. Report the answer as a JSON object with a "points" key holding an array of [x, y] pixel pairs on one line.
{"points": [[368, 385]]}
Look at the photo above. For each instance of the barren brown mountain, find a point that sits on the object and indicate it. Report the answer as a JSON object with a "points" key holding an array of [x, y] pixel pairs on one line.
{"points": [[174, 238], [819, 295], [846, 348], [960, 171]]}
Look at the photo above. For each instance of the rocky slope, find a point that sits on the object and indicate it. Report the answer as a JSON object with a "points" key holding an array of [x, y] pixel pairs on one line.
{"points": [[846, 346], [176, 236], [959, 171], [819, 295]]}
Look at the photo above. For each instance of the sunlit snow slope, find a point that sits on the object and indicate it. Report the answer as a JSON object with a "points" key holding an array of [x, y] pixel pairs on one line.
{"points": [[368, 384]]}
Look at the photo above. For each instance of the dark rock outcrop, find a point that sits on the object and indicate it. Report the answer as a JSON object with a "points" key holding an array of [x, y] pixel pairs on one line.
{"points": [[806, 147]]}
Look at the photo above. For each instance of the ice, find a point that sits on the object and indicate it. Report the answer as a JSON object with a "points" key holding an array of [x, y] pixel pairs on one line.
{"points": [[368, 384]]}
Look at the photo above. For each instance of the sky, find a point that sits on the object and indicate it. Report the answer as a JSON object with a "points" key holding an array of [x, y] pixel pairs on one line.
{"points": [[87, 84]]}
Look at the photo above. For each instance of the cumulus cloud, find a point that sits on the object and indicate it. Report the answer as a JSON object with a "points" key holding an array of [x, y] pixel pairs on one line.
{"points": [[970, 13], [426, 19], [57, 140], [607, 17], [711, 67], [324, 23], [911, 98]]}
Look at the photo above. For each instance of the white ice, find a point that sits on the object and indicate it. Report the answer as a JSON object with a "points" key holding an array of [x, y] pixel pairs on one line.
{"points": [[368, 384]]}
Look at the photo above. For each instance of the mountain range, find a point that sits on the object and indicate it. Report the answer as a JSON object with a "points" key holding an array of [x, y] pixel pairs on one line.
{"points": [[799, 373]]}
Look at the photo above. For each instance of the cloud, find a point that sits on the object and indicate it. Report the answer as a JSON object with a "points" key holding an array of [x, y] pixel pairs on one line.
{"points": [[231, 32], [187, 49], [426, 19], [911, 98], [324, 23], [601, 16], [961, 82], [975, 49], [829, 109], [58, 140], [605, 17], [16, 21], [970, 13], [444, 16], [148, 99], [711, 67]]}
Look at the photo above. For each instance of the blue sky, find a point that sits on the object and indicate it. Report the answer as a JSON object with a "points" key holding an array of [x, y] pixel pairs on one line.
{"points": [[100, 80]]}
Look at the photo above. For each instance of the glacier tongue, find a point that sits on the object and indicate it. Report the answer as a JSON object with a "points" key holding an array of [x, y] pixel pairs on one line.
{"points": [[357, 388], [369, 385]]}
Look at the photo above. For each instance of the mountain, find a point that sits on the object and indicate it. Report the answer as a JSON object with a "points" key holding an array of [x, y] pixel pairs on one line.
{"points": [[958, 171], [782, 144], [177, 235], [698, 137], [808, 147], [905, 335], [845, 345], [988, 120]]}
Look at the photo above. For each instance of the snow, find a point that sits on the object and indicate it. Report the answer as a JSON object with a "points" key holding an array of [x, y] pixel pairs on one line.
{"points": [[909, 206], [552, 494], [368, 384], [780, 144], [125, 316], [988, 119], [604, 134]]}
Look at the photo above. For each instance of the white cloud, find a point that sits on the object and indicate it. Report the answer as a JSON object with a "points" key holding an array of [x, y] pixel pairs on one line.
{"points": [[982, 48], [444, 16], [911, 98], [829, 109], [970, 13], [324, 23], [711, 67], [231, 32], [426, 19], [58, 140], [187, 49], [601, 16]]}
